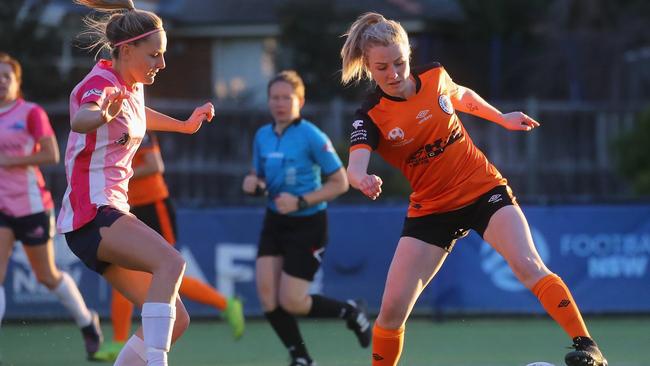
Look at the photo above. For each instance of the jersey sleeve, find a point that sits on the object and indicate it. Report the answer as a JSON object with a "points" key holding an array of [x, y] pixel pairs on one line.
{"points": [[38, 124], [92, 90], [323, 152], [449, 85], [364, 134]]}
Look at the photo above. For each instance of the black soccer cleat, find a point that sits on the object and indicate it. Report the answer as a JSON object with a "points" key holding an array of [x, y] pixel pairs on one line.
{"points": [[586, 353], [358, 322], [301, 361], [92, 335]]}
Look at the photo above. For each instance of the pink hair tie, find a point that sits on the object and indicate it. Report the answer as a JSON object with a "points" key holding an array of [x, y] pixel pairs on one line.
{"points": [[137, 37]]}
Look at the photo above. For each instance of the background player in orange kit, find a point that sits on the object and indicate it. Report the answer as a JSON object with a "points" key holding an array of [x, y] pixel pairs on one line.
{"points": [[410, 120], [150, 202]]}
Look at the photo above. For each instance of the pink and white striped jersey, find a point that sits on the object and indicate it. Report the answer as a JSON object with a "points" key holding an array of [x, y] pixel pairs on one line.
{"points": [[22, 188], [98, 163]]}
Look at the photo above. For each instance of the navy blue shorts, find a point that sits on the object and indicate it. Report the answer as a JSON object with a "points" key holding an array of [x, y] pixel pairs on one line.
{"points": [[299, 240], [31, 230], [443, 229], [84, 241]]}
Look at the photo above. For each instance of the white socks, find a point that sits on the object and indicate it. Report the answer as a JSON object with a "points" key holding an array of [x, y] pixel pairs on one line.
{"points": [[134, 353], [157, 325], [68, 294], [3, 304]]}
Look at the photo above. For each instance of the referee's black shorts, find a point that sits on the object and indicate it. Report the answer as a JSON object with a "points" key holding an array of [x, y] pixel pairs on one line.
{"points": [[300, 240]]}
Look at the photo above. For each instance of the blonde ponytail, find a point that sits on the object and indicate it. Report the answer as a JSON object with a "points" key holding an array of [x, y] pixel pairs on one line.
{"points": [[368, 30], [122, 22]]}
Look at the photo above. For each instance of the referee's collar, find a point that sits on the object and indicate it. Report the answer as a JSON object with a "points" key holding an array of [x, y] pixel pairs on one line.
{"points": [[295, 122]]}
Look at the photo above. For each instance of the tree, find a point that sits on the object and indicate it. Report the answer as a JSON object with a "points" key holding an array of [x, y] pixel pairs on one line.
{"points": [[310, 44], [35, 49], [633, 161]]}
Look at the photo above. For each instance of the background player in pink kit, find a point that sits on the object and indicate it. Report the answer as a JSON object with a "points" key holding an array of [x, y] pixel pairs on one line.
{"points": [[108, 121], [26, 141]]}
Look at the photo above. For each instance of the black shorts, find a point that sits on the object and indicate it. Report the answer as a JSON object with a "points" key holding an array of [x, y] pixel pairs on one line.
{"points": [[32, 230], [443, 229], [300, 240], [160, 216], [84, 241]]}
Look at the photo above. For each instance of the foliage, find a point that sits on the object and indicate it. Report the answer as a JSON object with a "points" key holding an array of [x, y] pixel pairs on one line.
{"points": [[633, 159], [311, 42], [36, 49]]}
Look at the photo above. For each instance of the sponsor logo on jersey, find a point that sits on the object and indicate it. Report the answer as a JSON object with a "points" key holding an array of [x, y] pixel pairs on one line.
{"points": [[18, 126], [430, 151], [423, 116], [445, 104], [90, 92], [358, 123]]}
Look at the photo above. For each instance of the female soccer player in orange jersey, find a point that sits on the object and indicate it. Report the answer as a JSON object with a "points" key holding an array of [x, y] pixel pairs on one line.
{"points": [[410, 120], [150, 202], [108, 120]]}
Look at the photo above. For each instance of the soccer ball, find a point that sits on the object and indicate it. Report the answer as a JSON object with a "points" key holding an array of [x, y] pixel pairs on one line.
{"points": [[540, 363]]}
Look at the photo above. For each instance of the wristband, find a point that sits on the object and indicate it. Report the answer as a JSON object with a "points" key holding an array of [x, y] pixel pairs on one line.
{"points": [[302, 203]]}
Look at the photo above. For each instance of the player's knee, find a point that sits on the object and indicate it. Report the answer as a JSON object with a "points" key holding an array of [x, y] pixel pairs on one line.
{"points": [[528, 270], [173, 266], [293, 304]]}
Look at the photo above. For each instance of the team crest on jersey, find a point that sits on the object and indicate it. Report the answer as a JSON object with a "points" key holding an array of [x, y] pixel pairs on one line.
{"points": [[445, 104], [123, 140], [396, 134]]}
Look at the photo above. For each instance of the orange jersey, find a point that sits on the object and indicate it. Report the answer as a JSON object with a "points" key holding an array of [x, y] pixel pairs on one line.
{"points": [[152, 188], [424, 138]]}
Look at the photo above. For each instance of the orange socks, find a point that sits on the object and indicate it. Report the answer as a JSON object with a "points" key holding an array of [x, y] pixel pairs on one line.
{"points": [[559, 304], [386, 346], [198, 291], [121, 313]]}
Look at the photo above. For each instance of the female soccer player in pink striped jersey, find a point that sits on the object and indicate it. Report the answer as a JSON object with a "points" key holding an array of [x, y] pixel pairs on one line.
{"points": [[26, 141], [108, 121]]}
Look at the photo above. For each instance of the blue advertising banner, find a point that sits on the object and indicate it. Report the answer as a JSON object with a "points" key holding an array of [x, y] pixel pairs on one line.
{"points": [[601, 252]]}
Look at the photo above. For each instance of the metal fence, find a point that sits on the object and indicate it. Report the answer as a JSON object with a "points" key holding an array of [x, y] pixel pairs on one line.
{"points": [[569, 159]]}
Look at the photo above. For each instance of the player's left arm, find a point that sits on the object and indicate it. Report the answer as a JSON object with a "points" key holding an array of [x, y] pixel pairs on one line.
{"points": [[468, 101], [161, 122]]}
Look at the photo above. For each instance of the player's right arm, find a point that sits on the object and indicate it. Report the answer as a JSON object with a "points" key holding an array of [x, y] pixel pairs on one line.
{"points": [[95, 112], [364, 138]]}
